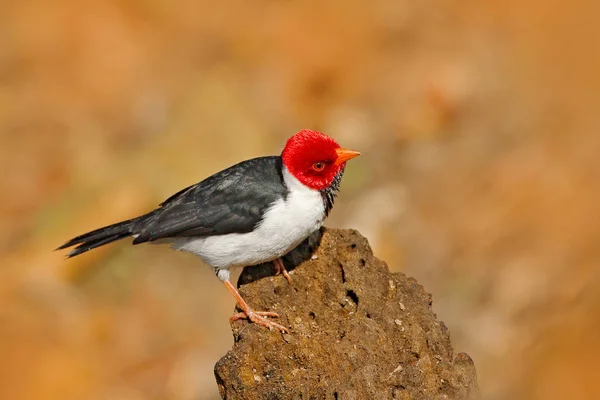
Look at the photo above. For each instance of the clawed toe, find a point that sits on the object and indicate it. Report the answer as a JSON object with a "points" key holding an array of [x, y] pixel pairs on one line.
{"points": [[287, 276], [259, 317], [280, 269], [243, 315]]}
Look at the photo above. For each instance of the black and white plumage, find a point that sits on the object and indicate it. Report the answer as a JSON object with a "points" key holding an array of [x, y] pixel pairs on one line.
{"points": [[253, 212]]}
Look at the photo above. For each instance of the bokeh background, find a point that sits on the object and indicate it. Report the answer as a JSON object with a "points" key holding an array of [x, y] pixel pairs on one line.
{"points": [[479, 126]]}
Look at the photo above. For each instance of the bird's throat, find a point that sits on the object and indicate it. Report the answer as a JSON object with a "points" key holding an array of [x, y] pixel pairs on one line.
{"points": [[329, 193]]}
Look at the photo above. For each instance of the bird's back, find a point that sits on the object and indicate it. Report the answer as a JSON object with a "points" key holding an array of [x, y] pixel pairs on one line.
{"points": [[231, 201]]}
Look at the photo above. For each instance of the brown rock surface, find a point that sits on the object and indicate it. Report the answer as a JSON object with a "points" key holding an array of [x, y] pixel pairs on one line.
{"points": [[357, 331]]}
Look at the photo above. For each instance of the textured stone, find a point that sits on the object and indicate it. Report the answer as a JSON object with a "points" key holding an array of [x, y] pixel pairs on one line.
{"points": [[357, 331]]}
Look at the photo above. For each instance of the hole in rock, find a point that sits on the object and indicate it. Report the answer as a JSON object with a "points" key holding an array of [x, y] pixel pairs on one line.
{"points": [[353, 296]]}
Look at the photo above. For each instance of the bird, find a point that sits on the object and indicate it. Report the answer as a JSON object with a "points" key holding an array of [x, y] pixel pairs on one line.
{"points": [[253, 212]]}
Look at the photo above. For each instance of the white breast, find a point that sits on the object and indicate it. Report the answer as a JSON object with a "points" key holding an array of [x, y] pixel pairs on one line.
{"points": [[286, 224]]}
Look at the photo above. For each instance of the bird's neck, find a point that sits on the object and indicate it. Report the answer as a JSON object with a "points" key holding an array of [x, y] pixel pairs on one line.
{"points": [[327, 194], [330, 192]]}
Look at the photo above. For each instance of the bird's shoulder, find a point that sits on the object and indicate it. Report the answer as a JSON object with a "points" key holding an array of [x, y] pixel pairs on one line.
{"points": [[262, 175]]}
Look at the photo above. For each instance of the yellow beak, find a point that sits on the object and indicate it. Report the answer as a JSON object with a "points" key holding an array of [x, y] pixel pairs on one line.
{"points": [[344, 155]]}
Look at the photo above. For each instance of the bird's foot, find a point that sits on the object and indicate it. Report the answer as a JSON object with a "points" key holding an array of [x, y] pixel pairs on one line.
{"points": [[280, 269], [259, 317]]}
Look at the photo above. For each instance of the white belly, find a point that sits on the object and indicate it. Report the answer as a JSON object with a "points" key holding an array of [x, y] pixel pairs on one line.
{"points": [[286, 224]]}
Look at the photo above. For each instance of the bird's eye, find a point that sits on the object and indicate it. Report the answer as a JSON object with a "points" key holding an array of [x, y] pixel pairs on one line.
{"points": [[318, 166]]}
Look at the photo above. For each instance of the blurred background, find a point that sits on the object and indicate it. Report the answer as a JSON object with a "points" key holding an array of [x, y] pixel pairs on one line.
{"points": [[479, 126]]}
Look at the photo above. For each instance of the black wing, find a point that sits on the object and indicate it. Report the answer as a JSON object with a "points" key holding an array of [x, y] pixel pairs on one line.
{"points": [[231, 201]]}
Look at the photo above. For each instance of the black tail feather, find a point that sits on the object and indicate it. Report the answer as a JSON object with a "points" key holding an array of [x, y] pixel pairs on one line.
{"points": [[98, 237]]}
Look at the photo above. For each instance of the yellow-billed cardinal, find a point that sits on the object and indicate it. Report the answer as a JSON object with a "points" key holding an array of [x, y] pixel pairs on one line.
{"points": [[253, 212]]}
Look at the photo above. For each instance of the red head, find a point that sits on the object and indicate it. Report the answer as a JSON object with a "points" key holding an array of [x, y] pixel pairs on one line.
{"points": [[315, 159]]}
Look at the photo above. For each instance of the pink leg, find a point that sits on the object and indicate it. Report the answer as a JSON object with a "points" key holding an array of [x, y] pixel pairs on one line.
{"points": [[258, 317], [280, 269]]}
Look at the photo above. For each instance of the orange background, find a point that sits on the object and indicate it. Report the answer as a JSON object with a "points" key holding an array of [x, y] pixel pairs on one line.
{"points": [[479, 126]]}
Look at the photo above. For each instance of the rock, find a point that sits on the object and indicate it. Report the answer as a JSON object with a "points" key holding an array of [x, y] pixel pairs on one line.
{"points": [[357, 331]]}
